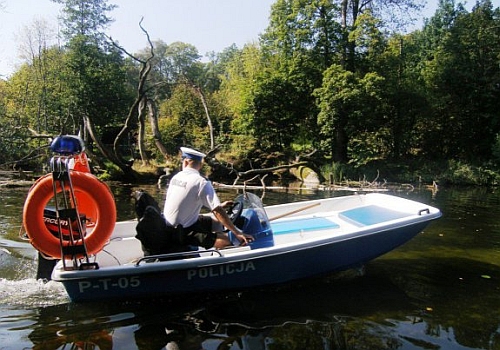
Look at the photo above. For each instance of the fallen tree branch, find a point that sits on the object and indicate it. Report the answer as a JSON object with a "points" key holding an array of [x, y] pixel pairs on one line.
{"points": [[265, 171], [36, 135], [269, 170]]}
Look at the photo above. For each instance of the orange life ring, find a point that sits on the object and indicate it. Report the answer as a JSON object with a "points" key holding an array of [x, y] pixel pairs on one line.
{"points": [[94, 199], [81, 163]]}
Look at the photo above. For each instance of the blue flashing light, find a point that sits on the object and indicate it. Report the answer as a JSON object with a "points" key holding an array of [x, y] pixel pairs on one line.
{"points": [[67, 145]]}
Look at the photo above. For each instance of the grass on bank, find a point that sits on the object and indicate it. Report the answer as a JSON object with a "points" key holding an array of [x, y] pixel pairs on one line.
{"points": [[445, 173]]}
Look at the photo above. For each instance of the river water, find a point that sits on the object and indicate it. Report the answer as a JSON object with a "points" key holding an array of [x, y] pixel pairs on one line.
{"points": [[439, 291]]}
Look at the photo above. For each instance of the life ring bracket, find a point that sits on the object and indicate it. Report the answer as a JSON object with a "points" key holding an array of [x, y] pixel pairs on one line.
{"points": [[72, 248], [92, 199]]}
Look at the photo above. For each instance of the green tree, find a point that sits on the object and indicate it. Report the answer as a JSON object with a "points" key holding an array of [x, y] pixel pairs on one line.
{"points": [[85, 17], [277, 113], [216, 67], [96, 83], [37, 94], [183, 114], [238, 85], [346, 93], [462, 73], [302, 27], [182, 62], [309, 36], [405, 97], [94, 71]]}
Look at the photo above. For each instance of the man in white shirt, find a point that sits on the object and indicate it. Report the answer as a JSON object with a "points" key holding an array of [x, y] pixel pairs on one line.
{"points": [[187, 193]]}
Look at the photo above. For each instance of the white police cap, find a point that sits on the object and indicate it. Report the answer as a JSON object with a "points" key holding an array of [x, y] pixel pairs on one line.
{"points": [[192, 153]]}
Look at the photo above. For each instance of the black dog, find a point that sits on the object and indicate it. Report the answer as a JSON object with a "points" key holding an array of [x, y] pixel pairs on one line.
{"points": [[152, 230]]}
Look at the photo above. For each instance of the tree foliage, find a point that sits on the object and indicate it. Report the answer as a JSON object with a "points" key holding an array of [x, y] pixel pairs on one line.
{"points": [[463, 74], [325, 75], [86, 18]]}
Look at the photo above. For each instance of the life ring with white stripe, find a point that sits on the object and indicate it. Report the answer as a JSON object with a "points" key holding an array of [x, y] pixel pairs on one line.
{"points": [[94, 200]]}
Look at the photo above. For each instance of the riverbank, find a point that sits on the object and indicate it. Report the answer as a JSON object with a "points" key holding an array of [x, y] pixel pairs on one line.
{"points": [[378, 176]]}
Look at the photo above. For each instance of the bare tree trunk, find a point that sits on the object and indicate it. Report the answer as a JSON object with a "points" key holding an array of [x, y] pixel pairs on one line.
{"points": [[343, 24], [127, 169], [142, 131], [198, 90], [153, 119], [134, 111], [209, 121]]}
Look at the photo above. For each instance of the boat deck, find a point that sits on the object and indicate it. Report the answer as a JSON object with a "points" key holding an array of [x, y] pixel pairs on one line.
{"points": [[328, 224], [286, 231]]}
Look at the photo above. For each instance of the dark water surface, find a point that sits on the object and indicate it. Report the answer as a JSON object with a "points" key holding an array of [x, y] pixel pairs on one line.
{"points": [[439, 291]]}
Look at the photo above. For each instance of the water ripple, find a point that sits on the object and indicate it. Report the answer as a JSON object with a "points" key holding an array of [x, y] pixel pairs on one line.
{"points": [[31, 292]]}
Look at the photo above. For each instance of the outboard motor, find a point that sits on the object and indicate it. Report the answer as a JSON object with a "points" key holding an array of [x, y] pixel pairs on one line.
{"points": [[250, 217]]}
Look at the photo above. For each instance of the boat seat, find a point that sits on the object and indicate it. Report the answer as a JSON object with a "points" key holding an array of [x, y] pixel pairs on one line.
{"points": [[370, 215], [303, 224]]}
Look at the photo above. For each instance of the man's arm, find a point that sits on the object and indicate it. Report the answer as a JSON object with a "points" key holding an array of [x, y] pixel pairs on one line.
{"points": [[222, 216]]}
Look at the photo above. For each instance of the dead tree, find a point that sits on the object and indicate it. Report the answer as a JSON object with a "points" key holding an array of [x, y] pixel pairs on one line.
{"points": [[89, 126], [142, 105], [207, 114], [147, 108], [152, 112]]}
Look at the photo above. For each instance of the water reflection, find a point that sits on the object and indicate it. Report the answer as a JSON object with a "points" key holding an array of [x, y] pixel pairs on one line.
{"points": [[457, 297], [439, 291], [337, 311], [376, 311]]}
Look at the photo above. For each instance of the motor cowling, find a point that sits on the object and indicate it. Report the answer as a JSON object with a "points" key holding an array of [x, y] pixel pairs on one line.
{"points": [[253, 221]]}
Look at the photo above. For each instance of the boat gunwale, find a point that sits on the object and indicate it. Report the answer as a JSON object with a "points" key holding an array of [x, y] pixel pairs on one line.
{"points": [[205, 261]]}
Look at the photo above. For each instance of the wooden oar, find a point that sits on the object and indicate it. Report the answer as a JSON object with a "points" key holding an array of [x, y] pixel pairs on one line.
{"points": [[294, 211]]}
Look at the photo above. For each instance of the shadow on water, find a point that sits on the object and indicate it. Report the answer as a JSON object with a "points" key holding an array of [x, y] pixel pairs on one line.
{"points": [[251, 319], [403, 309], [457, 296]]}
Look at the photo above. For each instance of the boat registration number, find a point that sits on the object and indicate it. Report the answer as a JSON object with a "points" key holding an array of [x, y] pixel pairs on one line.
{"points": [[109, 283]]}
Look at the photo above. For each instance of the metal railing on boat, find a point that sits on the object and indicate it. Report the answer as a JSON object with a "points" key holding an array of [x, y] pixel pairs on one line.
{"points": [[176, 256]]}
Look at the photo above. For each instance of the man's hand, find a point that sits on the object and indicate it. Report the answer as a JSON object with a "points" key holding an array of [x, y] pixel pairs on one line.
{"points": [[227, 204], [223, 218], [244, 238]]}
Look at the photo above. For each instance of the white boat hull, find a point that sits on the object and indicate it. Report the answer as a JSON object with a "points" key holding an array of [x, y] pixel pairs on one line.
{"points": [[309, 239]]}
